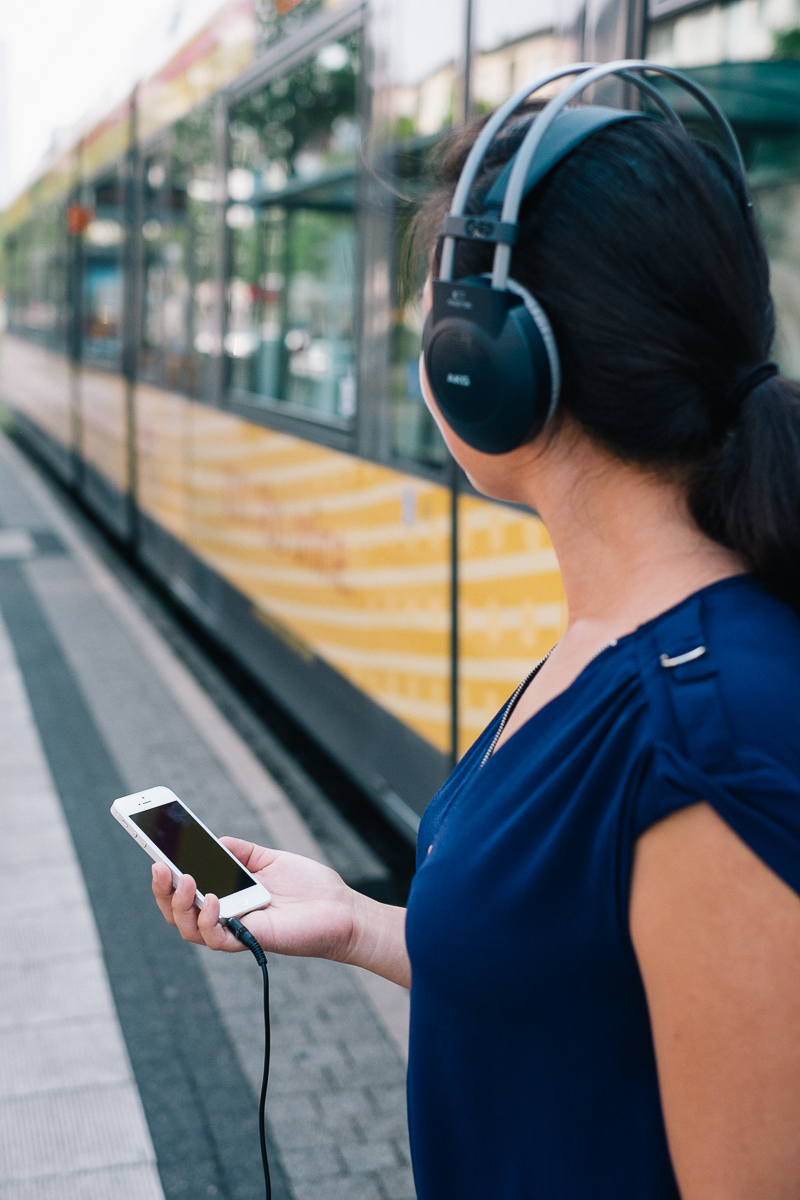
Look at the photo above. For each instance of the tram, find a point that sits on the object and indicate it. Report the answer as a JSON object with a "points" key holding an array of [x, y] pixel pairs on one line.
{"points": [[211, 338]]}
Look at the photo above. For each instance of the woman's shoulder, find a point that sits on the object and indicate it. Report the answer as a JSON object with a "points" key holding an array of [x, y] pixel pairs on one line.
{"points": [[755, 636], [721, 674], [728, 656]]}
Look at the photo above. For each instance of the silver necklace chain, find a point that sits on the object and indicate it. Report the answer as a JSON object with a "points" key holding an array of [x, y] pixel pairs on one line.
{"points": [[512, 704]]}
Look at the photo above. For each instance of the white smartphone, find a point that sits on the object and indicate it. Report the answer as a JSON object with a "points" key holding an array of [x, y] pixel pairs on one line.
{"points": [[171, 833]]}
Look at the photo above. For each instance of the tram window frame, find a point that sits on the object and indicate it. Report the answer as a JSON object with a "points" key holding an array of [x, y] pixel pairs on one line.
{"points": [[363, 434], [367, 434], [47, 279], [182, 367], [150, 359], [88, 189], [331, 428], [414, 106], [404, 401]]}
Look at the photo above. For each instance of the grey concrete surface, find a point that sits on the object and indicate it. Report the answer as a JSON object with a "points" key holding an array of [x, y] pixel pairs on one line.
{"points": [[336, 1110], [70, 1115]]}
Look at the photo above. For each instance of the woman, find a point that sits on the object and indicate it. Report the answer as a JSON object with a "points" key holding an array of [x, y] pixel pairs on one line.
{"points": [[604, 929]]}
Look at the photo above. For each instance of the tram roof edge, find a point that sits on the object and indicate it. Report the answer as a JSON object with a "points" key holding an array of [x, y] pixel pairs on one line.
{"points": [[208, 61]]}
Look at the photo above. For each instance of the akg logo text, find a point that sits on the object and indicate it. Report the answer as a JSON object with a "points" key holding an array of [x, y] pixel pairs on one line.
{"points": [[461, 380], [458, 299]]}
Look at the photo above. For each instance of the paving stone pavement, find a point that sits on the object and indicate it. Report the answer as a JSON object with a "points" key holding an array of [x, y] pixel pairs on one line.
{"points": [[71, 1123], [336, 1109]]}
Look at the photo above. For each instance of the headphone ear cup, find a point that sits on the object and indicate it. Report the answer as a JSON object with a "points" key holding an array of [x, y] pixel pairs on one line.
{"points": [[545, 330], [490, 363]]}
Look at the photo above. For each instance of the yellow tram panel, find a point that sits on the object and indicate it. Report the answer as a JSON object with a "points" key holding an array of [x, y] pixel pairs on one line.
{"points": [[342, 558], [512, 607], [347, 559], [104, 428], [39, 384]]}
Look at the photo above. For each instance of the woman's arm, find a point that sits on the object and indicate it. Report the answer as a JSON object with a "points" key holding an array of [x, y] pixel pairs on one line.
{"points": [[313, 913], [717, 936]]}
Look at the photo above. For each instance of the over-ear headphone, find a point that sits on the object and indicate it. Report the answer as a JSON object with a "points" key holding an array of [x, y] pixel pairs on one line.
{"points": [[490, 355]]}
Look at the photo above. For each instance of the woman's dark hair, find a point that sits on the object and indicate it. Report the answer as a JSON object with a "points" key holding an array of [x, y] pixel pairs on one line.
{"points": [[643, 251]]}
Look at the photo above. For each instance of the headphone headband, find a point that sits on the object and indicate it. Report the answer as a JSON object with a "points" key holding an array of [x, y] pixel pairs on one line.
{"points": [[533, 138], [631, 71]]}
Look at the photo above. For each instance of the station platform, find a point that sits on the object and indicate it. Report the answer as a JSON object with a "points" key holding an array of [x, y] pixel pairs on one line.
{"points": [[130, 1061]]}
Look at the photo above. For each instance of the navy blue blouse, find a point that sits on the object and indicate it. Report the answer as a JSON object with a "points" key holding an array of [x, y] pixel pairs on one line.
{"points": [[531, 1072]]}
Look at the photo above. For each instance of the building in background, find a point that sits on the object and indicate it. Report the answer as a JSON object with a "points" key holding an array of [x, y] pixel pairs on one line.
{"points": [[212, 339]]}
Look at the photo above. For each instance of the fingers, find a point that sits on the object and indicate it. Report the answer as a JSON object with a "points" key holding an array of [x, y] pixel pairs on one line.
{"points": [[242, 850], [162, 890], [176, 904], [178, 908], [254, 857], [215, 936], [184, 911]]}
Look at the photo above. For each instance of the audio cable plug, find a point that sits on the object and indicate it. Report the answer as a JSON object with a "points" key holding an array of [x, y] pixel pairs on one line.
{"points": [[246, 938]]}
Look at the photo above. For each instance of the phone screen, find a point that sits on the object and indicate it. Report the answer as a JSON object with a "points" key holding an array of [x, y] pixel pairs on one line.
{"points": [[174, 830]]}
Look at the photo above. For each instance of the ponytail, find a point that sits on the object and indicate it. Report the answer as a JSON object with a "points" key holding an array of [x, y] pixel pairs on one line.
{"points": [[747, 495]]}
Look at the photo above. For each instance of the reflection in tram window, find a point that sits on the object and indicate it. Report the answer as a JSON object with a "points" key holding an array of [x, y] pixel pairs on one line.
{"points": [[514, 43], [103, 241], [777, 202], [422, 47], [291, 189], [36, 257], [419, 100], [180, 314], [748, 57], [163, 322], [415, 435]]}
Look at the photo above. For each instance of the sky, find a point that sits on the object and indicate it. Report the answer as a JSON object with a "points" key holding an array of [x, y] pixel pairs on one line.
{"points": [[65, 58]]}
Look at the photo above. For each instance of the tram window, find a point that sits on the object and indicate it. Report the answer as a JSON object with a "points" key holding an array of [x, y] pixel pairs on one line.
{"points": [[414, 432], [419, 100], [291, 215], [102, 274], [159, 271], [514, 42], [423, 51], [179, 321], [749, 59], [775, 187], [36, 258]]}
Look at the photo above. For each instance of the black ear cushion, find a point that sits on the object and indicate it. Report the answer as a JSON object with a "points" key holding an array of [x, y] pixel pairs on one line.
{"points": [[492, 387]]}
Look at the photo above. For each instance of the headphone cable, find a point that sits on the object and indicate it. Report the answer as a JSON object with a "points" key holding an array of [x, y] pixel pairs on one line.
{"points": [[246, 938]]}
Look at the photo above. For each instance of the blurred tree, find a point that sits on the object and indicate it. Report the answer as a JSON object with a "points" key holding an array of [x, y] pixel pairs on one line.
{"points": [[787, 44]]}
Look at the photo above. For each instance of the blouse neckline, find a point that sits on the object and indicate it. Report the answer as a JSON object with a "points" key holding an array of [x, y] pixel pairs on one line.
{"points": [[625, 639]]}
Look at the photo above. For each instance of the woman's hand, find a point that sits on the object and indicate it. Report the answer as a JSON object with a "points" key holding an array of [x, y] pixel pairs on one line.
{"points": [[313, 913]]}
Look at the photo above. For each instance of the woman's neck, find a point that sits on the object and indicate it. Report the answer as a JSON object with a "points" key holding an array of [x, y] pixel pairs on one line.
{"points": [[627, 546]]}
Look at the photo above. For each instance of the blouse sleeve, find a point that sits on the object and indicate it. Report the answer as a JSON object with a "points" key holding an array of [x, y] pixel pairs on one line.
{"points": [[724, 728], [758, 797]]}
